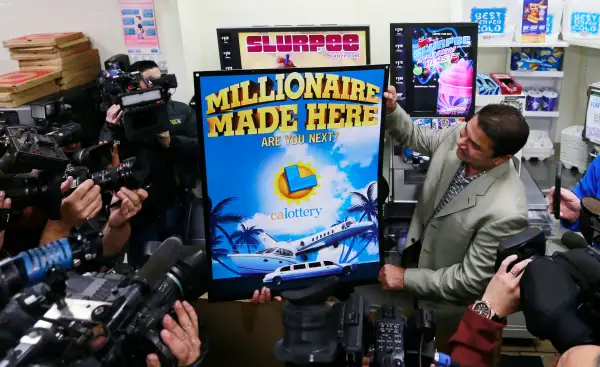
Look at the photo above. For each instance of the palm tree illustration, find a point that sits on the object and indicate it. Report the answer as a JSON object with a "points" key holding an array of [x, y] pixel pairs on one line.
{"points": [[367, 205], [247, 235], [371, 236], [220, 253], [365, 208], [218, 218]]}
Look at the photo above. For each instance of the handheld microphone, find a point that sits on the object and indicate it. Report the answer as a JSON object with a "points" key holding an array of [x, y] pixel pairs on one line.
{"points": [[29, 267]]}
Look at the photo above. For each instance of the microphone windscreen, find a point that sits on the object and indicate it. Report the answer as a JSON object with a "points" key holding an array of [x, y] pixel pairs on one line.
{"points": [[572, 240], [161, 261]]}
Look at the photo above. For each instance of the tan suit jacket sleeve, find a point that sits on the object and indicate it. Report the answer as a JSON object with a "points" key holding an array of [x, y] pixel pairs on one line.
{"points": [[421, 139], [469, 278]]}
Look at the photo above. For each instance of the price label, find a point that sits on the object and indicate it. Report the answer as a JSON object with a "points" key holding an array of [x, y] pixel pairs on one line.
{"points": [[585, 23], [490, 20]]}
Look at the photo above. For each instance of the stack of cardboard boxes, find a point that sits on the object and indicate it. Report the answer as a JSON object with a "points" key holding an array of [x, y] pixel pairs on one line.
{"points": [[49, 62]]}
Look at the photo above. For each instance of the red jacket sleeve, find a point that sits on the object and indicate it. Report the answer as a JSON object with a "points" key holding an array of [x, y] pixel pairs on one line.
{"points": [[474, 342]]}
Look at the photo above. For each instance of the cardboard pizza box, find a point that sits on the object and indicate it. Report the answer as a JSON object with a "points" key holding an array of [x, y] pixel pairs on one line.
{"points": [[90, 55], [42, 39], [51, 49], [53, 52], [18, 99], [50, 56], [21, 80], [74, 84], [87, 74]]}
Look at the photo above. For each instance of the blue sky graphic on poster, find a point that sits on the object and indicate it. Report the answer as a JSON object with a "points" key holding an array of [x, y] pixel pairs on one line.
{"points": [[257, 226]]}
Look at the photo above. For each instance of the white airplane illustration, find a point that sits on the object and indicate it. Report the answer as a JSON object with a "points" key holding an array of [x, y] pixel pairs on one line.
{"points": [[277, 253]]}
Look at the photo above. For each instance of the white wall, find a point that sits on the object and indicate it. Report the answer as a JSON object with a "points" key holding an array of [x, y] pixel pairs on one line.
{"points": [[97, 19], [199, 21]]}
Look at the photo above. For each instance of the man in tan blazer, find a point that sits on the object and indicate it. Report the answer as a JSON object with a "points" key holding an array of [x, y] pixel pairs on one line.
{"points": [[471, 199]]}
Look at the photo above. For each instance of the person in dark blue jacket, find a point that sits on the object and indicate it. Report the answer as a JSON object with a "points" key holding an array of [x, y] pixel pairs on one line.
{"points": [[570, 205]]}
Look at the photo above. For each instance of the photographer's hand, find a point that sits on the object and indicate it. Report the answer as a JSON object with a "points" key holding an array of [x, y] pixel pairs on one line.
{"points": [[83, 203], [164, 139], [114, 115], [503, 293], [180, 337], [131, 204]]}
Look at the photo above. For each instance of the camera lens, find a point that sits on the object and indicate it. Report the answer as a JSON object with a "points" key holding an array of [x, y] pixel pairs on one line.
{"points": [[117, 177]]}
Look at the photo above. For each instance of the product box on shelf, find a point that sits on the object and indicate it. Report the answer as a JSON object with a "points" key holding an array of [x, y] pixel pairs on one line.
{"points": [[486, 86], [537, 59], [534, 17], [507, 84]]}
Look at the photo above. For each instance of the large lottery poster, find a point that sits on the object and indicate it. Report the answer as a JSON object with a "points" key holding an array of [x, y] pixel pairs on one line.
{"points": [[292, 160]]}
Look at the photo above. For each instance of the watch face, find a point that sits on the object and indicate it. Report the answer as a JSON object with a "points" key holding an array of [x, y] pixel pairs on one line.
{"points": [[482, 309]]}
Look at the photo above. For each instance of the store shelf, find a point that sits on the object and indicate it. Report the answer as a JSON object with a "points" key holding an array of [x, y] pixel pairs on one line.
{"points": [[559, 43], [585, 43], [541, 114], [481, 101], [537, 74]]}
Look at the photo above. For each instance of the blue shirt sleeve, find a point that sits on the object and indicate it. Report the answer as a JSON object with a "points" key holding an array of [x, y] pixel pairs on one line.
{"points": [[587, 186]]}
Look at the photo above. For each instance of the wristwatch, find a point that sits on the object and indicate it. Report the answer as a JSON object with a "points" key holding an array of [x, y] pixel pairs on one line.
{"points": [[484, 309]]}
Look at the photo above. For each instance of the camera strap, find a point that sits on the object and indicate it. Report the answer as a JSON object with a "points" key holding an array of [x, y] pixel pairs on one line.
{"points": [[4, 218]]}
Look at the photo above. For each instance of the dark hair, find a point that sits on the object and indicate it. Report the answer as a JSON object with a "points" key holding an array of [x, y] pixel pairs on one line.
{"points": [[505, 126], [142, 66]]}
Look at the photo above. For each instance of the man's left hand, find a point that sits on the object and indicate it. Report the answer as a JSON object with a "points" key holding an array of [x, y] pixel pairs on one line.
{"points": [[131, 205], [391, 277], [181, 338], [164, 139]]}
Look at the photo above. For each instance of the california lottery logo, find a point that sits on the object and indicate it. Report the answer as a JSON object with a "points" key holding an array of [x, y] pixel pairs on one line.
{"points": [[296, 182]]}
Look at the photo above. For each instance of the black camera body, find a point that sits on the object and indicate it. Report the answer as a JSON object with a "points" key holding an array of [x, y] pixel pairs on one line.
{"points": [[143, 101], [342, 334], [26, 150]]}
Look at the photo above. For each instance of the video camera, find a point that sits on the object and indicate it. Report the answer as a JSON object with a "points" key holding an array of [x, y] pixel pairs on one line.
{"points": [[143, 101], [110, 319], [319, 334], [54, 119], [560, 294]]}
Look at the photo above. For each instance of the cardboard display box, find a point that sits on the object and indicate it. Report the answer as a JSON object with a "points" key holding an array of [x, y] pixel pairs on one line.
{"points": [[19, 81]]}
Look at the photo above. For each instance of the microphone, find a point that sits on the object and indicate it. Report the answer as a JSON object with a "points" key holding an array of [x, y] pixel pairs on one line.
{"points": [[29, 267], [572, 240], [146, 279]]}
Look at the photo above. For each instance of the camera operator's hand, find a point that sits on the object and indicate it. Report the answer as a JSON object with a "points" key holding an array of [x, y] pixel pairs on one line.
{"points": [[390, 99], [83, 203], [114, 115], [131, 204], [264, 296], [570, 205], [4, 204], [164, 139], [503, 293], [180, 337]]}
